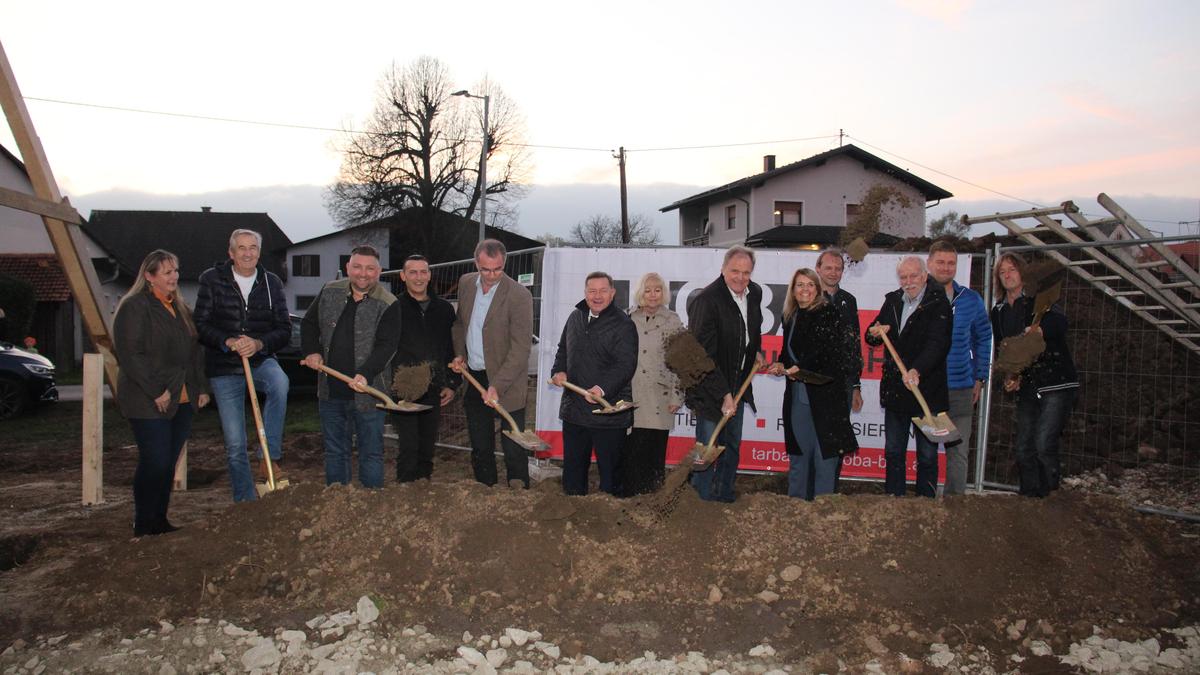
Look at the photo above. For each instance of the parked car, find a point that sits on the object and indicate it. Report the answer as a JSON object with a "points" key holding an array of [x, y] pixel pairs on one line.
{"points": [[26, 379], [301, 378]]}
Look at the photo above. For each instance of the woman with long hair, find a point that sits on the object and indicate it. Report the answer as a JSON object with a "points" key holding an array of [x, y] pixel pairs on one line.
{"points": [[161, 383], [816, 359], [643, 459]]}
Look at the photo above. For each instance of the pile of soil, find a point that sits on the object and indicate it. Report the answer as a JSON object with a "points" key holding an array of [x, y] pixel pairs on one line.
{"points": [[612, 578]]}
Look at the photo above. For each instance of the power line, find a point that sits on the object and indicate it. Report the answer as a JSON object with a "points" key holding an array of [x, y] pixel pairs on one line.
{"points": [[730, 145]]}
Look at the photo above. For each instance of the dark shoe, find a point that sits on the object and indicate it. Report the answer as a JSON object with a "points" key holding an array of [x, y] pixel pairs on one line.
{"points": [[143, 530], [164, 527]]}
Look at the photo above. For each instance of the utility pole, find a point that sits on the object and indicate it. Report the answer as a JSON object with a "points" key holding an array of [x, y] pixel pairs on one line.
{"points": [[841, 134], [624, 197]]}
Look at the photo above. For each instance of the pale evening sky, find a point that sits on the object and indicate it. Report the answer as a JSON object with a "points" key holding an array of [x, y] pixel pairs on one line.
{"points": [[1040, 100]]}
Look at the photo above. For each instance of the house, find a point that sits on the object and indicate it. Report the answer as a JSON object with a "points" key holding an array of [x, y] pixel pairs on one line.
{"points": [[199, 238], [313, 262], [805, 203]]}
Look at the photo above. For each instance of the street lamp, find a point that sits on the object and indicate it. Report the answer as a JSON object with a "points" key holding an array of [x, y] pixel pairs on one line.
{"points": [[482, 160]]}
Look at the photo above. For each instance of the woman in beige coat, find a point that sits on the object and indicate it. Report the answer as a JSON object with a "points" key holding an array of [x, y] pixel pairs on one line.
{"points": [[643, 460]]}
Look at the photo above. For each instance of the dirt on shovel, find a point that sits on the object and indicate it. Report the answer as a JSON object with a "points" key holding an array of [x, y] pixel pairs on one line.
{"points": [[410, 383]]}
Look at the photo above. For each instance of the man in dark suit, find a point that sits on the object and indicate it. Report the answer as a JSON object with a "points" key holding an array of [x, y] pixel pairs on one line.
{"points": [[916, 318], [493, 335], [726, 318]]}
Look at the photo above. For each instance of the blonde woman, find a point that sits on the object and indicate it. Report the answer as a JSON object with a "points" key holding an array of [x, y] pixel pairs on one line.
{"points": [[816, 420], [643, 460], [161, 383]]}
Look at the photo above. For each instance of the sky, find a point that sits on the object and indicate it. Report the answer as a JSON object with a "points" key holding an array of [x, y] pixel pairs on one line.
{"points": [[1002, 103]]}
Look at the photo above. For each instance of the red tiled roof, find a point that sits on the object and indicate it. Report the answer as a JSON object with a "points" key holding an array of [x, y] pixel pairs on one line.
{"points": [[42, 270]]}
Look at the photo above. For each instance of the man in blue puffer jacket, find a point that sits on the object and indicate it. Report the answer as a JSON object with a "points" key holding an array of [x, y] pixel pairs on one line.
{"points": [[968, 360]]}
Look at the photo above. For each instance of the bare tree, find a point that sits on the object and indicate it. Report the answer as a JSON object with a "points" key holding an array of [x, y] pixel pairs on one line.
{"points": [[602, 229], [420, 149], [948, 224]]}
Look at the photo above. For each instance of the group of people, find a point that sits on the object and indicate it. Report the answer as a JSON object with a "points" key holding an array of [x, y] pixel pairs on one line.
{"points": [[175, 359]]}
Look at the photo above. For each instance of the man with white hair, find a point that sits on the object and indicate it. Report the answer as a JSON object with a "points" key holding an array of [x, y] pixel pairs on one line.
{"points": [[916, 318]]}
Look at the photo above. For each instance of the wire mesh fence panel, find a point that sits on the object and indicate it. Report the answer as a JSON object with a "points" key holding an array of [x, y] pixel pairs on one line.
{"points": [[1139, 397], [523, 266]]}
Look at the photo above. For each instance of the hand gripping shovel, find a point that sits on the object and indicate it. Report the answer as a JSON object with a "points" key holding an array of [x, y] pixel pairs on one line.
{"points": [[939, 428], [704, 454], [271, 485], [526, 439], [388, 403], [605, 408], [1018, 352]]}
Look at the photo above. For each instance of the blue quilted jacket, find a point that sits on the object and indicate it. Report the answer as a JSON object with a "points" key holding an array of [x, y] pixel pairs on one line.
{"points": [[971, 344]]}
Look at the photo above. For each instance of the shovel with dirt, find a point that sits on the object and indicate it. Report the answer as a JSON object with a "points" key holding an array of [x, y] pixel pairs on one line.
{"points": [[1018, 352], [271, 485], [522, 437], [605, 408], [937, 428], [387, 402], [705, 453]]}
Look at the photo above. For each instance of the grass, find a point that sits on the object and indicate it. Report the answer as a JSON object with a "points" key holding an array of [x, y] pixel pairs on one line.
{"points": [[62, 423]]}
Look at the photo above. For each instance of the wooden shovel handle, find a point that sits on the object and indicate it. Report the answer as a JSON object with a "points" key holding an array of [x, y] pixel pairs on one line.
{"points": [[904, 375], [495, 404], [258, 422], [350, 381], [585, 393], [737, 400]]}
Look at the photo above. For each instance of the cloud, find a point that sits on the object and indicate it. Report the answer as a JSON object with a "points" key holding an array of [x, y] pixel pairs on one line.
{"points": [[1093, 105], [949, 12]]}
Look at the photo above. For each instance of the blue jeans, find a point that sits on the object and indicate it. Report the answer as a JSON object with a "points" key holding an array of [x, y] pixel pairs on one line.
{"points": [[336, 415], [159, 442], [715, 483], [229, 393], [809, 473], [1040, 421], [895, 453]]}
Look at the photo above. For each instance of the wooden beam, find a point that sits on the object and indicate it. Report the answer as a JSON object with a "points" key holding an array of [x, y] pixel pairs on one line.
{"points": [[93, 429], [30, 204], [68, 241]]}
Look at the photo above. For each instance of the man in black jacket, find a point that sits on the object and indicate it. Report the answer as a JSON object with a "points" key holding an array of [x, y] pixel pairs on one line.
{"points": [[425, 322], [1046, 390], [726, 318], [917, 319], [241, 311], [598, 351]]}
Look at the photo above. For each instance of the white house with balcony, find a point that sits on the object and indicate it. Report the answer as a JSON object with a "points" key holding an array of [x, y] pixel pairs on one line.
{"points": [[807, 202]]}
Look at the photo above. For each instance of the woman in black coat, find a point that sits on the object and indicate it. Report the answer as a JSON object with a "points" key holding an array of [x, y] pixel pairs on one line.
{"points": [[816, 420], [161, 383]]}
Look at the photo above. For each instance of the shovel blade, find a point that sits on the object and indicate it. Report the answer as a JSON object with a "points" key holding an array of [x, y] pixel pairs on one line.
{"points": [[403, 406], [528, 440], [704, 455], [618, 407], [264, 488], [938, 429]]}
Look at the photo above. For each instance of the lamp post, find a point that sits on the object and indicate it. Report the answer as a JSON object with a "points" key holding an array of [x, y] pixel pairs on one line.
{"points": [[482, 160]]}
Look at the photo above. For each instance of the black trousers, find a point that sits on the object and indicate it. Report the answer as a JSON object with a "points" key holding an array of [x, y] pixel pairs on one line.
{"points": [[159, 442], [643, 462], [481, 428], [578, 443], [417, 433]]}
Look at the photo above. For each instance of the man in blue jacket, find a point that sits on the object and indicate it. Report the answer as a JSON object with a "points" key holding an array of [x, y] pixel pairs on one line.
{"points": [[241, 311], [968, 360]]}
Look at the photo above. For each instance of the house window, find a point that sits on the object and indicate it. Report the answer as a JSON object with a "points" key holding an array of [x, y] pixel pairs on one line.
{"points": [[852, 211], [789, 213], [308, 265], [343, 260], [303, 301], [730, 216]]}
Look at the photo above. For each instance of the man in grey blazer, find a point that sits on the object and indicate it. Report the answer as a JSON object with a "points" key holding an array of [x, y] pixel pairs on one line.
{"points": [[493, 334]]}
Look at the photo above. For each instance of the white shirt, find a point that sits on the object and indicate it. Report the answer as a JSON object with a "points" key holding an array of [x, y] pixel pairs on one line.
{"points": [[245, 284], [740, 301], [479, 312]]}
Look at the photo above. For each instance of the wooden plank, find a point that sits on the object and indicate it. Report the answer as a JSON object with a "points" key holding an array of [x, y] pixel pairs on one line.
{"points": [[93, 429], [181, 469], [30, 204], [69, 244]]}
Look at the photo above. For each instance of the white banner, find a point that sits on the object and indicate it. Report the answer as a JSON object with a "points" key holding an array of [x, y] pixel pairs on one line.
{"points": [[689, 270]]}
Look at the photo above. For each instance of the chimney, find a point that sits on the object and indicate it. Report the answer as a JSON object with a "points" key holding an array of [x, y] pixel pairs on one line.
{"points": [[768, 163], [206, 209]]}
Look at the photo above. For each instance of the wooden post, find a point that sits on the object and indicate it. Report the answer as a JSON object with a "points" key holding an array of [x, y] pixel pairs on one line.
{"points": [[93, 429], [181, 468]]}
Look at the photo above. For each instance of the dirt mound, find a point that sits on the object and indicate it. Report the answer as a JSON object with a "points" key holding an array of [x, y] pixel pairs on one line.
{"points": [[612, 578]]}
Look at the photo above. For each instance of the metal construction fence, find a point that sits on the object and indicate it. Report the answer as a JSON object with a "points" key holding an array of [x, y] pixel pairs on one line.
{"points": [[1139, 396]]}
